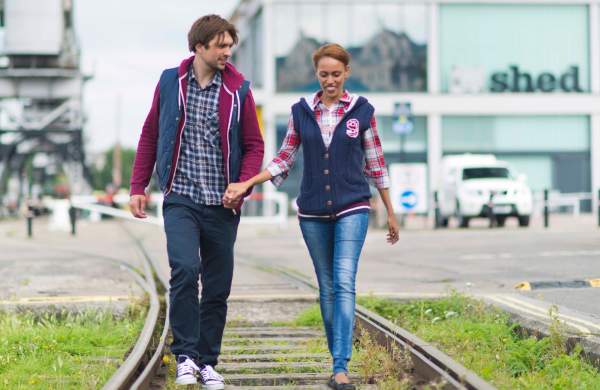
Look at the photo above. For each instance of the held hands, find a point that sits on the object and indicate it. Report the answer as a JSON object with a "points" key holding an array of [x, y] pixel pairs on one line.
{"points": [[393, 228], [233, 194]]}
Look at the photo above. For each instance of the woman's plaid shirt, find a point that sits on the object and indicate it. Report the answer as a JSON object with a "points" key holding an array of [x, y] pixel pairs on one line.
{"points": [[328, 119]]}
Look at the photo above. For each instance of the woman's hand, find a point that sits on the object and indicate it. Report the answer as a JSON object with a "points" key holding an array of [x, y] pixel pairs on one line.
{"points": [[234, 193], [393, 229]]}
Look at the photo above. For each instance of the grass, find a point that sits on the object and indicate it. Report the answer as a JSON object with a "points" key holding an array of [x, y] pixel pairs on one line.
{"points": [[371, 361], [484, 340], [311, 316], [375, 365], [64, 350]]}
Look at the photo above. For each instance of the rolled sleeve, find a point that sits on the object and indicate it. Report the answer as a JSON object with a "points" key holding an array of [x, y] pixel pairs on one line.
{"points": [[375, 168], [284, 161]]}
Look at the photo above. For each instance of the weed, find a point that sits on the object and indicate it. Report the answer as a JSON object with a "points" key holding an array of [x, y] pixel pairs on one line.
{"points": [[64, 350], [375, 365], [310, 316], [485, 341]]}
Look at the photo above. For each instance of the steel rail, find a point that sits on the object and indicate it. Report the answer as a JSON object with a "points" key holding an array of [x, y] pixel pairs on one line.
{"points": [[143, 379], [137, 371], [126, 373], [431, 364]]}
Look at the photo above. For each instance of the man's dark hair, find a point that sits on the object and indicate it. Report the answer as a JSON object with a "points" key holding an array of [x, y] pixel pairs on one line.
{"points": [[206, 28]]}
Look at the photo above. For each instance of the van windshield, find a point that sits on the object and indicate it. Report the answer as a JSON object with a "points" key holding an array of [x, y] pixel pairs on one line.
{"points": [[485, 173]]}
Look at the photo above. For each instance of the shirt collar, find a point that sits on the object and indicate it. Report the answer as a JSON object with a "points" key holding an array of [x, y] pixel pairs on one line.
{"points": [[216, 80], [346, 99]]}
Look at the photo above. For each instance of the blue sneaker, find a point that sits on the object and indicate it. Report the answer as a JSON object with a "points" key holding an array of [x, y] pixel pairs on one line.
{"points": [[210, 379], [186, 371]]}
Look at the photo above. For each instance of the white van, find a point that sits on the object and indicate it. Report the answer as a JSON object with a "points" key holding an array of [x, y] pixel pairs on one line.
{"points": [[472, 184]]}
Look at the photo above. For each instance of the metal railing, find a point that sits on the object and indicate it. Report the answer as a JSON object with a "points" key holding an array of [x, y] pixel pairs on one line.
{"points": [[559, 202]]}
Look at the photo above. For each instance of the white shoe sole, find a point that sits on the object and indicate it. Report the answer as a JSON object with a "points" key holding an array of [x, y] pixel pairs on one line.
{"points": [[186, 380], [219, 386]]}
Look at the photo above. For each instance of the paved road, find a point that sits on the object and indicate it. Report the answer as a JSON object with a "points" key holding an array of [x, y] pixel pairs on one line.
{"points": [[478, 261], [55, 269], [423, 263], [429, 262]]}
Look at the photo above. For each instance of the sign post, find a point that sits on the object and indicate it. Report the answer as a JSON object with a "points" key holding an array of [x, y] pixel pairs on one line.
{"points": [[409, 188], [403, 123]]}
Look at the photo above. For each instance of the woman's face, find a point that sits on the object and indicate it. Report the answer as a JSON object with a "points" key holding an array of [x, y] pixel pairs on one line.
{"points": [[332, 74]]}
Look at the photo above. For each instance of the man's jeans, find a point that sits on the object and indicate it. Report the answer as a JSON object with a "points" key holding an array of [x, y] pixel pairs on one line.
{"points": [[335, 247], [210, 231]]}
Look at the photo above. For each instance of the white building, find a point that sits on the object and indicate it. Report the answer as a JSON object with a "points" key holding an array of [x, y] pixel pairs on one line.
{"points": [[519, 79]]}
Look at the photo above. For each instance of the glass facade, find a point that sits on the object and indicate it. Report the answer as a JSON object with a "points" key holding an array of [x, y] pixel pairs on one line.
{"points": [[406, 148], [248, 55], [538, 146], [483, 48], [387, 42], [514, 48]]}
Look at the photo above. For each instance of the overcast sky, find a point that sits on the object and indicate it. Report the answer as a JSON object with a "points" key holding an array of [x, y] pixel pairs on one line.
{"points": [[126, 45]]}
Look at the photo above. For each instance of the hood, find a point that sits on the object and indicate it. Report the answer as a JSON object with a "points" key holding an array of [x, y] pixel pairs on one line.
{"points": [[355, 101], [232, 79]]}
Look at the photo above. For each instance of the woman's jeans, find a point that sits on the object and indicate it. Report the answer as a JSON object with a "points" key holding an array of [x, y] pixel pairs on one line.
{"points": [[334, 247]]}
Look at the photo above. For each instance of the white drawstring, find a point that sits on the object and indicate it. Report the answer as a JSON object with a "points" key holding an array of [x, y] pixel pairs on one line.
{"points": [[208, 373]]}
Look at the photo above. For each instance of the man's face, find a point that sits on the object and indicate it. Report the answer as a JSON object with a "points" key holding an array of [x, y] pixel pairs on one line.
{"points": [[218, 52]]}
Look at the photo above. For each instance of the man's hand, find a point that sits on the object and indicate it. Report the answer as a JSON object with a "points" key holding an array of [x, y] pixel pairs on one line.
{"points": [[234, 194], [137, 205], [231, 204]]}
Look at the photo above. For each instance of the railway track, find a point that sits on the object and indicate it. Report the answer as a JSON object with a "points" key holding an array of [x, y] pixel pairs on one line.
{"points": [[259, 356], [141, 368]]}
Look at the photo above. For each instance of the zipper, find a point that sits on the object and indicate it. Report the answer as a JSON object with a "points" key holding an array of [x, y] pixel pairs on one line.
{"points": [[179, 97]]}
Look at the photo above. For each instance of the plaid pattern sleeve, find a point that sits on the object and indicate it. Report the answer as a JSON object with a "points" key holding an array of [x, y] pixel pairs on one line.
{"points": [[283, 162], [375, 168]]}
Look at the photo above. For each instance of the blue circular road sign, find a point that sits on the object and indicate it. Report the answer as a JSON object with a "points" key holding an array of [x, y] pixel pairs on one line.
{"points": [[409, 199]]}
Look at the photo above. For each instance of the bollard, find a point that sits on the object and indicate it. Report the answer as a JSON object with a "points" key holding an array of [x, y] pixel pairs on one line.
{"points": [[490, 211], [437, 223], [73, 219], [598, 207], [29, 223], [546, 209]]}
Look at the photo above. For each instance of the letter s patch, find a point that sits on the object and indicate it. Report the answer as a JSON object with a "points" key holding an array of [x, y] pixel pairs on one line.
{"points": [[352, 128]]}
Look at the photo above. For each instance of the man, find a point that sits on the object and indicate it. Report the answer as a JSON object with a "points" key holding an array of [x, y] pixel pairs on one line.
{"points": [[202, 133]]}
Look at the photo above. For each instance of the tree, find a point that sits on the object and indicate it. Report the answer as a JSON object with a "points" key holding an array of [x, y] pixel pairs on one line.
{"points": [[103, 176]]}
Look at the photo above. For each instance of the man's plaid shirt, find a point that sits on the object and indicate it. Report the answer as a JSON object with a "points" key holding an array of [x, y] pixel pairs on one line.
{"points": [[328, 119], [200, 172]]}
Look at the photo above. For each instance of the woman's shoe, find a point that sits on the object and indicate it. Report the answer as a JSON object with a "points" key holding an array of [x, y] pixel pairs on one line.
{"points": [[340, 386]]}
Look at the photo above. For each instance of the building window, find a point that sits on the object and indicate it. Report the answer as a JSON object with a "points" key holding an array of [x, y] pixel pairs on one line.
{"points": [[248, 56], [406, 148], [514, 48], [388, 44]]}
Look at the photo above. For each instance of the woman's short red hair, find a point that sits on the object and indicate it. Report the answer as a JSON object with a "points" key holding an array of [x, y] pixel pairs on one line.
{"points": [[332, 50]]}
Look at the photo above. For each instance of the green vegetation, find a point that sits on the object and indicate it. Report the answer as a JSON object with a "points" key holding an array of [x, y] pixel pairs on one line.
{"points": [[484, 340], [375, 365], [64, 350], [311, 316], [102, 175]]}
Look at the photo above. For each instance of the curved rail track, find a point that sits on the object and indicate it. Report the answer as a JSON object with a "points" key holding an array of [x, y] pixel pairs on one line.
{"points": [[139, 370]]}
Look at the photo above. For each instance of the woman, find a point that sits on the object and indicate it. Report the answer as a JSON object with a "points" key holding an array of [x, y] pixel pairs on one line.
{"points": [[341, 146]]}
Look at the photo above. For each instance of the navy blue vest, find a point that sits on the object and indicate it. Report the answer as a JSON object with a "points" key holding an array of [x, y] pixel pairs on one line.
{"points": [[170, 114], [333, 178]]}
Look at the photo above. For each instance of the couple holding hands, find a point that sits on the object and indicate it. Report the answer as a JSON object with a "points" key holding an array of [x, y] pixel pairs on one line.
{"points": [[202, 135]]}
